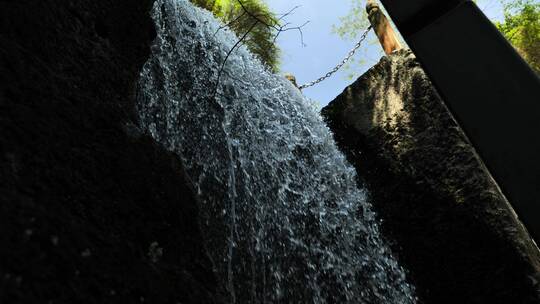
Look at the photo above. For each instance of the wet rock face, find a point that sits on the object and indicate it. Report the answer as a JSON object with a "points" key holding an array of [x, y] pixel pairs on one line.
{"points": [[91, 211], [451, 226]]}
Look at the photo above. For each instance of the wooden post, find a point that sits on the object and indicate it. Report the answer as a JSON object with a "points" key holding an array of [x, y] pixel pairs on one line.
{"points": [[383, 29]]}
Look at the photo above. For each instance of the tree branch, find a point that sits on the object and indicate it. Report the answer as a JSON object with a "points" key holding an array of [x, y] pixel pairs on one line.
{"points": [[230, 52], [264, 19]]}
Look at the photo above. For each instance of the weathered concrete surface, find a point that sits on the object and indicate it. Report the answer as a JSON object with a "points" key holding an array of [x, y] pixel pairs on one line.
{"points": [[449, 223], [91, 211]]}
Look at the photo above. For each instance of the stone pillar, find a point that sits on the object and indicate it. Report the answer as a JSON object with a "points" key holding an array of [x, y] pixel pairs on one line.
{"points": [[450, 225], [383, 29]]}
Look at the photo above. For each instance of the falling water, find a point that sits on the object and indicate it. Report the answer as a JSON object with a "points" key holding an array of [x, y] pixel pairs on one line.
{"points": [[283, 219]]}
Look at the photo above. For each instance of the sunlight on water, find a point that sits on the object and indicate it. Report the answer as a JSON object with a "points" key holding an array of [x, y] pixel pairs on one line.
{"points": [[283, 219]]}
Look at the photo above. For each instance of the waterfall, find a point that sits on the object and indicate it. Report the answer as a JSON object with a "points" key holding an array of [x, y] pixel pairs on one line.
{"points": [[280, 210]]}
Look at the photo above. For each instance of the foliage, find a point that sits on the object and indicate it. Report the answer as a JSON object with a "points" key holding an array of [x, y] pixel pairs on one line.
{"points": [[354, 22], [350, 28], [260, 39], [521, 27]]}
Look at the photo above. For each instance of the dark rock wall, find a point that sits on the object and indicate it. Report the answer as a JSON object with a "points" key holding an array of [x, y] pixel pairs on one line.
{"points": [[450, 225], [91, 211]]}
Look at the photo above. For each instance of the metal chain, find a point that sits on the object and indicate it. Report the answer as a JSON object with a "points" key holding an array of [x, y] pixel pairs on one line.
{"points": [[341, 64]]}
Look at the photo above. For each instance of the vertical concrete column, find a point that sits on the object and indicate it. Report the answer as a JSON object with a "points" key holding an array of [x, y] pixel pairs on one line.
{"points": [[386, 34]]}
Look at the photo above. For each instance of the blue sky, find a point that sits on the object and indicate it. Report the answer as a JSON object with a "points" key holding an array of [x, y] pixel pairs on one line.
{"points": [[323, 49]]}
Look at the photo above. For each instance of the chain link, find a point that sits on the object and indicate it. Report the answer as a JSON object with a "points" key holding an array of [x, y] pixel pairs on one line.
{"points": [[341, 64]]}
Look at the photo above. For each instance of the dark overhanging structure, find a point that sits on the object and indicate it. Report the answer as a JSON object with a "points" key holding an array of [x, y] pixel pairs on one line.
{"points": [[491, 91]]}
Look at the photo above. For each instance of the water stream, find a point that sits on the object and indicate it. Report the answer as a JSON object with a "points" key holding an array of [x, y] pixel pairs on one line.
{"points": [[280, 210]]}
